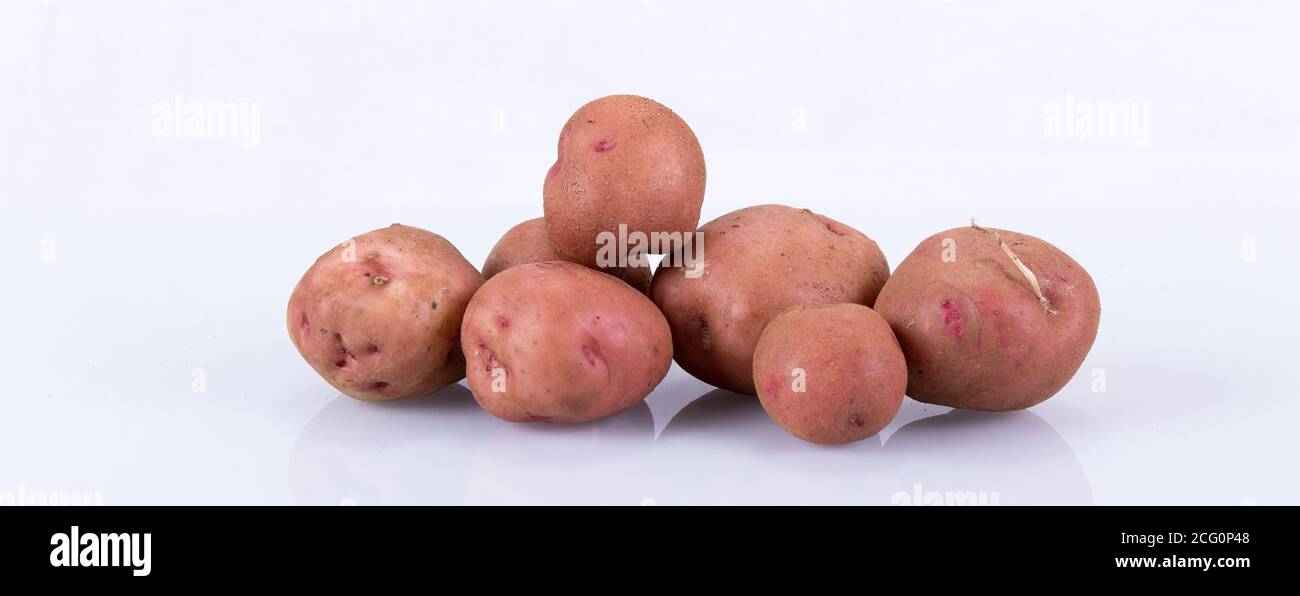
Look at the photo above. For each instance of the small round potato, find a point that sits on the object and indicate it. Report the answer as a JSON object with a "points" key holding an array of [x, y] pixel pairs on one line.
{"points": [[559, 342], [758, 262], [379, 315], [830, 374], [976, 331], [527, 243], [622, 160]]}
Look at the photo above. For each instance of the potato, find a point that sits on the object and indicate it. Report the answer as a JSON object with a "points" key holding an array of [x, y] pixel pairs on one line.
{"points": [[830, 374], [622, 160], [527, 243], [758, 262], [559, 342], [379, 315], [978, 332]]}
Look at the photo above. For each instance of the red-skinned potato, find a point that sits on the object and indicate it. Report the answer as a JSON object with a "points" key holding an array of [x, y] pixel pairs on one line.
{"points": [[559, 342], [527, 243], [980, 331], [379, 316], [622, 160], [758, 262], [830, 374]]}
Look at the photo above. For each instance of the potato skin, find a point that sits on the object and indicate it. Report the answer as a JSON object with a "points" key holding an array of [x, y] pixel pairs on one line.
{"points": [[573, 344], [973, 331], [379, 316], [758, 262], [622, 159], [852, 371], [527, 243]]}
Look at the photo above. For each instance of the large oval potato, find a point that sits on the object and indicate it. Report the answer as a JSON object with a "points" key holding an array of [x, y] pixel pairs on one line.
{"points": [[758, 262], [622, 160], [977, 332], [527, 243], [379, 315], [559, 342], [830, 374]]}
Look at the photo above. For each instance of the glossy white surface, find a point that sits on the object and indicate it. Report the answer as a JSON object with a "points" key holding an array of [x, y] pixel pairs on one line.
{"points": [[140, 269]]}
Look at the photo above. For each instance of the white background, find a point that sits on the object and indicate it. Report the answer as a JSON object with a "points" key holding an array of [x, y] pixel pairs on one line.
{"points": [[138, 268]]}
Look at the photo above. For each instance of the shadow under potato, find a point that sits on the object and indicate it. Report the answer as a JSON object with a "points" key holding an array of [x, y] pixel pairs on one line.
{"points": [[717, 412], [454, 397], [723, 449], [726, 416]]}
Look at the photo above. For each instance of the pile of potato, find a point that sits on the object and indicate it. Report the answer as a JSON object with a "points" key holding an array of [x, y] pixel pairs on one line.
{"points": [[791, 306]]}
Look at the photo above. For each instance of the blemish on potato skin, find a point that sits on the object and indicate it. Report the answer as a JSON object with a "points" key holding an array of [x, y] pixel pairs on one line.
{"points": [[378, 280], [773, 386], [857, 421], [834, 229], [952, 318]]}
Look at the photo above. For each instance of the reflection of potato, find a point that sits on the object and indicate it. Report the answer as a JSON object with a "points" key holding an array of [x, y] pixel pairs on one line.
{"points": [[622, 160], [984, 458], [600, 463], [830, 373], [527, 243], [973, 329], [379, 317], [730, 419], [559, 342], [354, 453], [758, 262], [723, 449]]}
